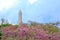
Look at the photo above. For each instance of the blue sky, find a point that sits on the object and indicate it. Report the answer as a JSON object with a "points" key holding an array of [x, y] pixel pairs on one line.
{"points": [[35, 10]]}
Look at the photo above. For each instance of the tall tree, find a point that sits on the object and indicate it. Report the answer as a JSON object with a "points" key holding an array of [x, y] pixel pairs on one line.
{"points": [[2, 20]]}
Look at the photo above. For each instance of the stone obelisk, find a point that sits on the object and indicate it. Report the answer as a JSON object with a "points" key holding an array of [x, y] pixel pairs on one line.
{"points": [[20, 17]]}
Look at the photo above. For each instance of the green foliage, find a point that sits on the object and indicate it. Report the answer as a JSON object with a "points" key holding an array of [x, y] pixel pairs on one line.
{"points": [[0, 34], [51, 28], [5, 25]]}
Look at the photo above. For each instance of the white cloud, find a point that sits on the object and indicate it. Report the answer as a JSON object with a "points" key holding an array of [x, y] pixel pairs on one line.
{"points": [[5, 4], [32, 1]]}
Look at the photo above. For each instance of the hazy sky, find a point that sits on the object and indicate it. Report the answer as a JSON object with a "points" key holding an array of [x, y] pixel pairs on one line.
{"points": [[35, 10]]}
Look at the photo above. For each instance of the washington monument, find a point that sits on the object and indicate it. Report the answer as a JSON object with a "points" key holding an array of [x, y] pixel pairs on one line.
{"points": [[20, 17]]}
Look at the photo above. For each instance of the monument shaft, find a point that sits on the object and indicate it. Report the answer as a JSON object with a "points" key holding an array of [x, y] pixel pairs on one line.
{"points": [[19, 17]]}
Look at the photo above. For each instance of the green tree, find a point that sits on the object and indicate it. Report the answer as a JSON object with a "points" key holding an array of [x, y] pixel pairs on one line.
{"points": [[2, 21]]}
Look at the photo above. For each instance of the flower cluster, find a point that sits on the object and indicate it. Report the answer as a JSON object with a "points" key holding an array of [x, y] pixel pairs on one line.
{"points": [[24, 32]]}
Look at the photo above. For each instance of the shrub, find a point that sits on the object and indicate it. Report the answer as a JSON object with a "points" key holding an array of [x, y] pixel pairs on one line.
{"points": [[0, 34], [23, 32]]}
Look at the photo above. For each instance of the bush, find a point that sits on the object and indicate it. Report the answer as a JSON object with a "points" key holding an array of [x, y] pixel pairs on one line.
{"points": [[0, 34], [23, 32]]}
